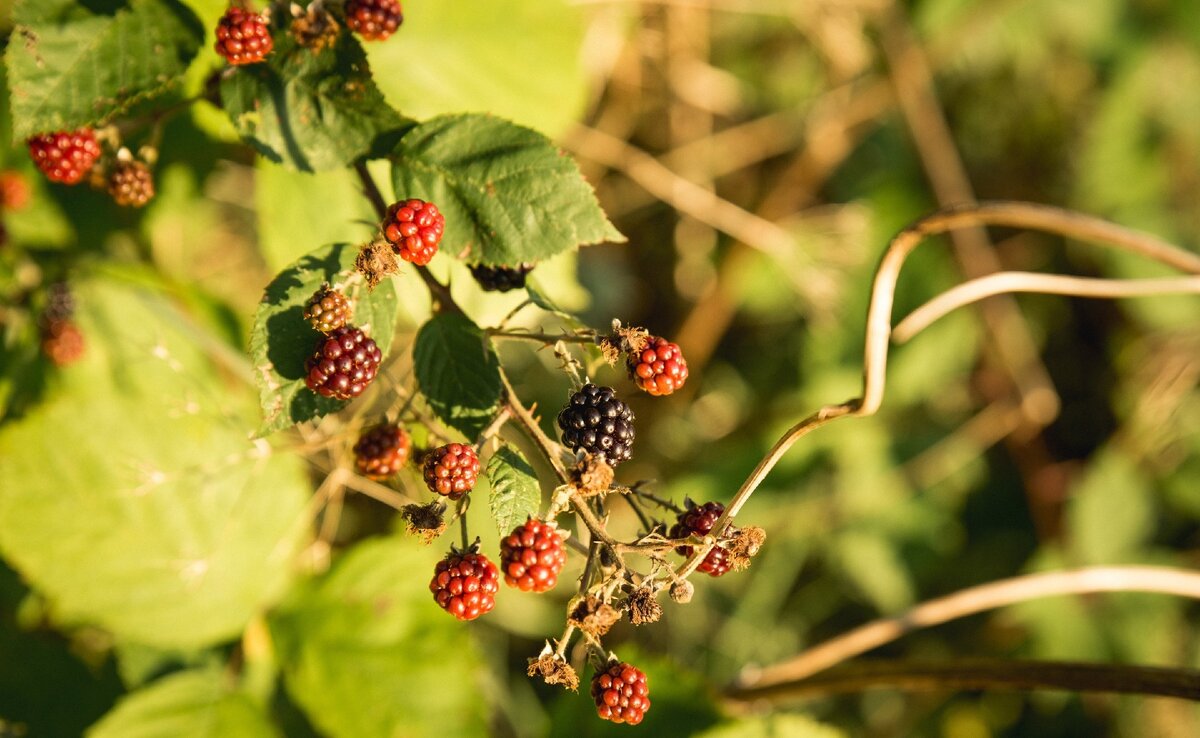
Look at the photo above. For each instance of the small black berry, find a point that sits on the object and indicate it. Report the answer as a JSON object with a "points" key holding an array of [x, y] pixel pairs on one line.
{"points": [[595, 421], [344, 363], [700, 521], [500, 278]]}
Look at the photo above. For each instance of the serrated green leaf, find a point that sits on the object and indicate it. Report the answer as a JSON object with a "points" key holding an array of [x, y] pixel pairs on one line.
{"points": [[457, 372], [282, 340], [516, 494], [366, 651], [131, 497], [72, 64], [509, 196], [198, 704], [311, 110]]}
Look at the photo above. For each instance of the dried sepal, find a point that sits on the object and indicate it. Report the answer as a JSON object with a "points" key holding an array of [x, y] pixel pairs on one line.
{"points": [[426, 521], [593, 616], [553, 669], [376, 261], [643, 606], [743, 545]]}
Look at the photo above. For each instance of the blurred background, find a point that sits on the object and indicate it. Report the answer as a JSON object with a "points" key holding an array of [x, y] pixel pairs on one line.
{"points": [[759, 154]]}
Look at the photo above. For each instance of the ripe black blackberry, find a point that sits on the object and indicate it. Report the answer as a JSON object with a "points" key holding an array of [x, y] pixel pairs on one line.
{"points": [[344, 363], [451, 470], [374, 20], [327, 310], [382, 451], [131, 184], [595, 421], [243, 37], [500, 278], [621, 693], [700, 521], [465, 584], [65, 156], [532, 556]]}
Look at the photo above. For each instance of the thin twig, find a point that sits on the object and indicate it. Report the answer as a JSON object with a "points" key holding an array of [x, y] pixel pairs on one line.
{"points": [[377, 491], [541, 337], [548, 447]]}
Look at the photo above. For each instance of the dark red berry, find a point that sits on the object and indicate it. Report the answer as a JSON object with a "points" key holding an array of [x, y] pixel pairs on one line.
{"points": [[243, 37], [65, 157], [131, 184], [374, 20], [595, 421], [14, 190], [344, 363], [414, 228], [621, 693], [327, 310], [500, 278], [62, 342], [700, 521], [465, 585], [659, 368], [532, 556], [60, 303], [451, 470], [381, 451]]}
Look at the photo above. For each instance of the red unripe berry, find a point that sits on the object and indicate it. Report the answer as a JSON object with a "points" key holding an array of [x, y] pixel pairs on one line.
{"points": [[659, 368], [414, 228], [374, 20], [465, 585], [451, 470], [532, 556], [243, 37], [344, 363], [14, 190], [62, 342], [621, 693], [131, 184], [699, 521], [65, 156], [381, 451]]}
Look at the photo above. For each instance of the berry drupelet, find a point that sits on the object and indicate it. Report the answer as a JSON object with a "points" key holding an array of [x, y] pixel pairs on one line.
{"points": [[465, 585], [451, 470], [532, 556], [344, 363], [414, 228], [595, 421]]}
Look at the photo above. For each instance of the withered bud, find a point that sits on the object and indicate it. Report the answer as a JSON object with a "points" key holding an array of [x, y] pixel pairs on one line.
{"points": [[643, 606], [611, 350], [593, 617], [315, 29], [554, 670], [682, 591], [633, 339], [743, 545], [594, 478], [376, 261], [425, 521]]}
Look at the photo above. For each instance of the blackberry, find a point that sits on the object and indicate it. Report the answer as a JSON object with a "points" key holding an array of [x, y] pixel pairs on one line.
{"points": [[465, 585], [659, 368], [595, 421], [451, 470], [65, 156], [532, 556], [700, 521], [374, 20], [243, 37], [62, 342], [382, 451], [414, 228], [621, 693], [500, 278], [327, 310], [344, 363], [131, 184]]}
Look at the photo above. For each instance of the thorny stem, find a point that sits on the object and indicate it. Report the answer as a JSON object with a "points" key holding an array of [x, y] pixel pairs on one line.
{"points": [[549, 448], [665, 504], [647, 523]]}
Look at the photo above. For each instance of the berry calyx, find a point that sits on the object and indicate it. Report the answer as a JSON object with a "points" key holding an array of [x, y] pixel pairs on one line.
{"points": [[595, 421], [382, 451], [374, 20], [500, 278], [62, 342], [327, 310], [700, 521], [621, 693], [243, 37], [414, 228], [465, 585], [659, 368], [131, 184], [344, 363], [532, 556], [451, 470], [65, 156]]}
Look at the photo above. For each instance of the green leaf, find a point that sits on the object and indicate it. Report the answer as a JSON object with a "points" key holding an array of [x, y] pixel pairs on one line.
{"points": [[72, 64], [311, 110], [132, 497], [366, 652], [282, 340], [516, 494], [509, 196], [1111, 512], [458, 372], [459, 56], [198, 704]]}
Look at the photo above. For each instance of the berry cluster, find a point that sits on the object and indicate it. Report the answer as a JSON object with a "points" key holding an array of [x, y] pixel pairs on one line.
{"points": [[374, 20], [465, 585], [414, 228], [131, 184], [532, 556], [65, 157], [699, 521], [621, 693], [328, 310], [243, 37], [659, 368], [382, 451], [596, 422], [500, 278], [451, 470], [62, 341], [344, 363]]}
